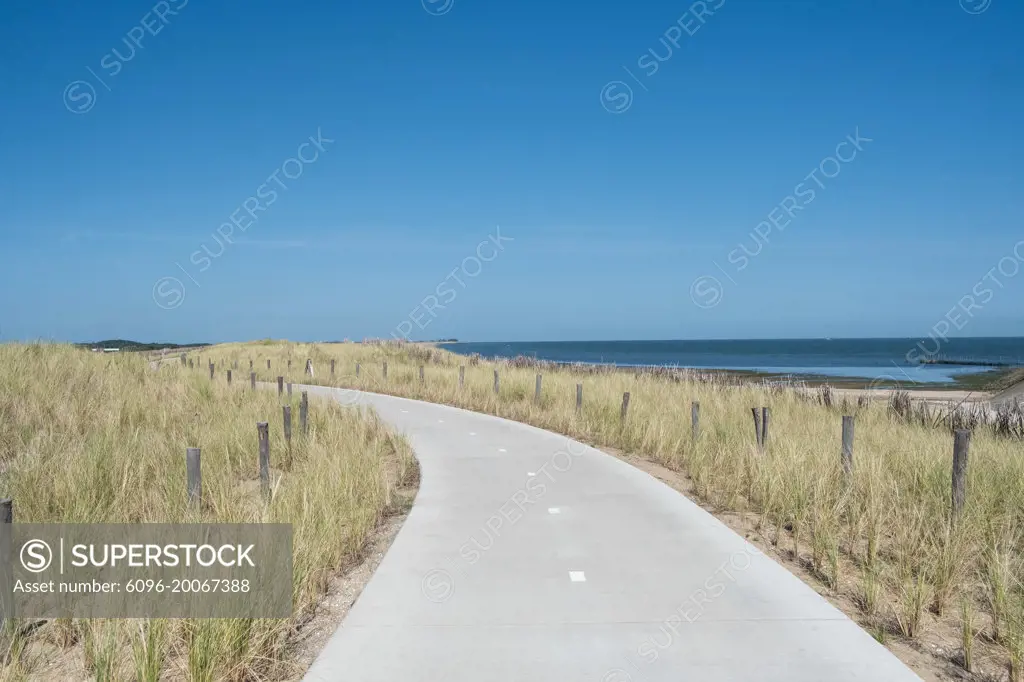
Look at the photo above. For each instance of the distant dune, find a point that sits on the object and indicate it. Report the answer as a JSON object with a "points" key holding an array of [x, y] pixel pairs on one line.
{"points": [[131, 346]]}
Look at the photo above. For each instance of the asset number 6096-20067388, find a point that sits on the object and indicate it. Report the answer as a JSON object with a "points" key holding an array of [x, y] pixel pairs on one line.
{"points": [[185, 585]]}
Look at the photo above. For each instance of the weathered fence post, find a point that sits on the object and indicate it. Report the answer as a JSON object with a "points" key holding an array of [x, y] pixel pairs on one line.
{"points": [[764, 428], [625, 405], [194, 474], [462, 375], [229, 377], [6, 517], [536, 390], [421, 374], [268, 363], [263, 430], [579, 398], [848, 445], [961, 446], [496, 382], [289, 363], [332, 367], [212, 368], [235, 365], [191, 365], [289, 389], [304, 413], [385, 370], [756, 411], [252, 380], [250, 365], [287, 413], [280, 386], [357, 369], [695, 420]]}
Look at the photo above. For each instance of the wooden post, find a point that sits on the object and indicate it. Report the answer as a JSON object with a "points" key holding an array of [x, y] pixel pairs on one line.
{"points": [[961, 446], [764, 428], [252, 380], [357, 369], [385, 370], [496, 382], [848, 445], [536, 390], [462, 375], [309, 367], [268, 363], [289, 389], [263, 429], [229, 377], [287, 410], [280, 386], [289, 363], [250, 365], [191, 365], [235, 365], [304, 413], [625, 405], [421, 374], [6, 568], [183, 359], [212, 368], [579, 398], [332, 368], [195, 476], [695, 420], [757, 426]]}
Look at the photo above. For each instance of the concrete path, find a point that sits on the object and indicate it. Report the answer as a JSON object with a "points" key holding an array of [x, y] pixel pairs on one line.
{"points": [[528, 556]]}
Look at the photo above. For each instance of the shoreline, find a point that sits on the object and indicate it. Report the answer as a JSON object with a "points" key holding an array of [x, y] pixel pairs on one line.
{"points": [[974, 386]]}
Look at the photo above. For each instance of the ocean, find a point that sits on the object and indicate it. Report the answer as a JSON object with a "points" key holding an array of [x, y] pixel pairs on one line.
{"points": [[850, 358]]}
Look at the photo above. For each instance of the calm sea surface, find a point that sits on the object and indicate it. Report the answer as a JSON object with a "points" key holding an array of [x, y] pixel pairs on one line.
{"points": [[862, 358]]}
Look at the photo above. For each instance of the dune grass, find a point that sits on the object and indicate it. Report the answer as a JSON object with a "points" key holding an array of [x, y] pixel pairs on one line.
{"points": [[882, 539], [90, 437]]}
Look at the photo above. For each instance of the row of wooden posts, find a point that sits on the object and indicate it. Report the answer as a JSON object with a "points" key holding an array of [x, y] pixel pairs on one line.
{"points": [[961, 441], [961, 448], [193, 456], [186, 361]]}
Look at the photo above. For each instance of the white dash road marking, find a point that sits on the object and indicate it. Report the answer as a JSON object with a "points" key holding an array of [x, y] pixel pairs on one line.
{"points": [[405, 411], [554, 510], [502, 450], [530, 473], [577, 577]]}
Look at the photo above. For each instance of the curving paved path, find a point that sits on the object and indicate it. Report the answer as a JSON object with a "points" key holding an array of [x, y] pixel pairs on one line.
{"points": [[528, 556]]}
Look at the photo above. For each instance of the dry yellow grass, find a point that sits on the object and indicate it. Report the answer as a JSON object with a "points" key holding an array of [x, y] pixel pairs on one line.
{"points": [[102, 438], [884, 539]]}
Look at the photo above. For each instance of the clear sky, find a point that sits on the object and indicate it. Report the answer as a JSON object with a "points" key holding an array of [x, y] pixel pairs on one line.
{"points": [[647, 165]]}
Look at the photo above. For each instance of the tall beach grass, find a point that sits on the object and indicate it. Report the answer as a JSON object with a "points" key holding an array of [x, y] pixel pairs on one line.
{"points": [[91, 438]]}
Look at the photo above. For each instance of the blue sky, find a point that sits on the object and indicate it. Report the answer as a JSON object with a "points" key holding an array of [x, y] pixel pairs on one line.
{"points": [[439, 123]]}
